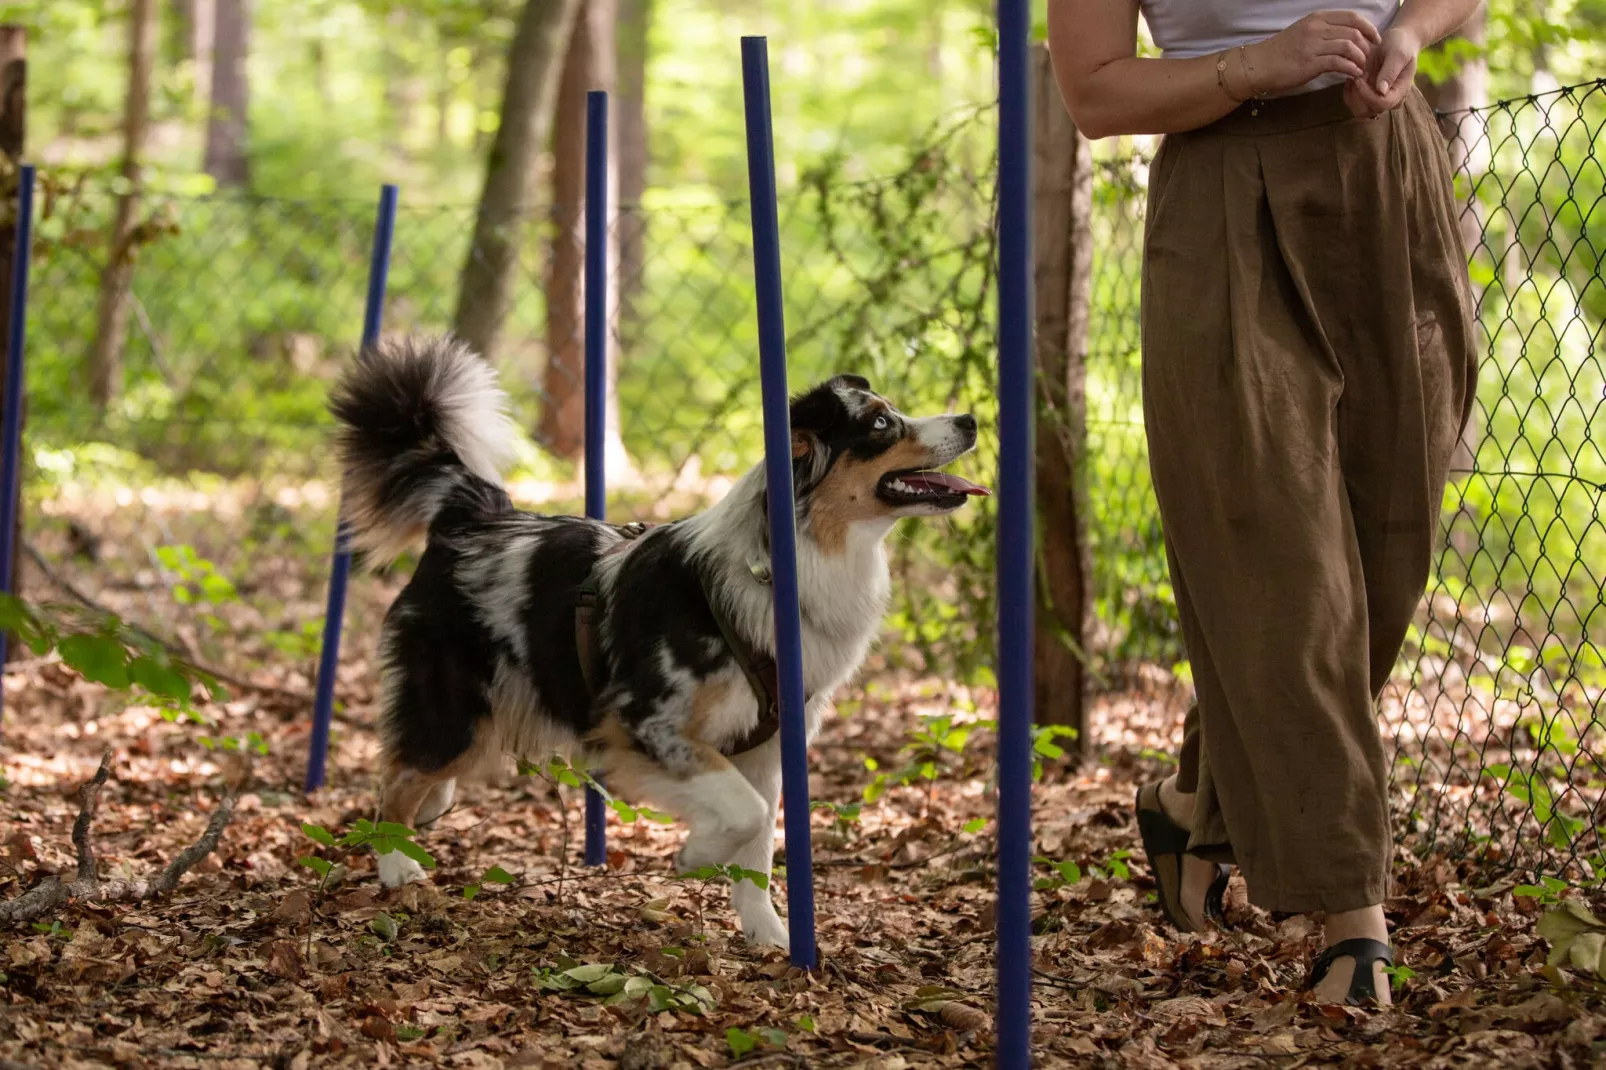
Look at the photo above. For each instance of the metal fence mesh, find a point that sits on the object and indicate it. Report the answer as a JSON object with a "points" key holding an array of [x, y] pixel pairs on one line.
{"points": [[245, 307]]}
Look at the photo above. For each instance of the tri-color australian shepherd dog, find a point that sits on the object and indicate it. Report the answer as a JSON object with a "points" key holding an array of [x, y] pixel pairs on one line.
{"points": [[657, 688]]}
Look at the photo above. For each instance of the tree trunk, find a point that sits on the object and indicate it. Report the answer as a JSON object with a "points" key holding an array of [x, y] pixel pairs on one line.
{"points": [[443, 101], [534, 61], [1469, 154], [588, 65], [1062, 289], [13, 139], [635, 22], [194, 23], [226, 159], [403, 90], [111, 330]]}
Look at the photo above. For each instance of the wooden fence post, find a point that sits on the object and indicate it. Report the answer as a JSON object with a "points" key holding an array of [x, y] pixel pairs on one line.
{"points": [[1063, 275], [13, 131]]}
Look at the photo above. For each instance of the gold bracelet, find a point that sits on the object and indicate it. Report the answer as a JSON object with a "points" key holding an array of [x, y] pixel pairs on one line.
{"points": [[1248, 73], [1249, 78], [1221, 77]]}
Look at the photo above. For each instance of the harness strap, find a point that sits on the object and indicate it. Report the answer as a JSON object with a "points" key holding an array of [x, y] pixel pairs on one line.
{"points": [[756, 665], [762, 677]]}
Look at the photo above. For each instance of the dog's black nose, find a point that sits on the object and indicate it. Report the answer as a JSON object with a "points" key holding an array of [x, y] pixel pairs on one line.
{"points": [[965, 422]]}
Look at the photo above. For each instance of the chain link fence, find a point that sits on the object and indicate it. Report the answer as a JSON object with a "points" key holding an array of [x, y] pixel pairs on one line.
{"points": [[244, 309]]}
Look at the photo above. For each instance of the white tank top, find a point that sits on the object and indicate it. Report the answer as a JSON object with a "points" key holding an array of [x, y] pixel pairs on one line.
{"points": [[1185, 29]]}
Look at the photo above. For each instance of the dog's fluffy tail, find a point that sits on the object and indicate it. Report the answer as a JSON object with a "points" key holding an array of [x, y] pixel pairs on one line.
{"points": [[423, 428]]}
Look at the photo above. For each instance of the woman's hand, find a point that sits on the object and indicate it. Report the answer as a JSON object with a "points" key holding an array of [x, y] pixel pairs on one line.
{"points": [[1388, 78], [1324, 42]]}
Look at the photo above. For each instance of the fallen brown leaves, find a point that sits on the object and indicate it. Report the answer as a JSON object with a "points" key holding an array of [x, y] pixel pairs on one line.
{"points": [[244, 964]]}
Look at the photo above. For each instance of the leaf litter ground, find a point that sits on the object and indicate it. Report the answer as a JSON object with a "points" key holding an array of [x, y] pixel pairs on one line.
{"points": [[549, 964]]}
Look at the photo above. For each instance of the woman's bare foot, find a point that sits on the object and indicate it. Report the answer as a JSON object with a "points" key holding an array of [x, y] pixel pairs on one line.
{"points": [[1367, 923]]}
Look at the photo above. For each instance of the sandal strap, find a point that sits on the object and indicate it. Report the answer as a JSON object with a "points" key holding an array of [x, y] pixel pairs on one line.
{"points": [[1364, 952], [1215, 901]]}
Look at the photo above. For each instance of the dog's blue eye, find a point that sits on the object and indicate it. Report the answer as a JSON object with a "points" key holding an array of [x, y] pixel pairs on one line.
{"points": [[882, 423]]}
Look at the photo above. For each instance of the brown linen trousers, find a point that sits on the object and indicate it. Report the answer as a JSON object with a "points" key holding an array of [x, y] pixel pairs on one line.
{"points": [[1308, 367]]}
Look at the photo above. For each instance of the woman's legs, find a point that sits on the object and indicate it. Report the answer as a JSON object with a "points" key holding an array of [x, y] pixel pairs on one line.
{"points": [[1306, 358]]}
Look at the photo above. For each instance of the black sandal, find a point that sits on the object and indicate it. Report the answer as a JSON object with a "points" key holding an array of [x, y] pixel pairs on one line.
{"points": [[1165, 842], [1362, 989]]}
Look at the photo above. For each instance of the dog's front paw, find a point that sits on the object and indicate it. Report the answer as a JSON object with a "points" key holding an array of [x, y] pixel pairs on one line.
{"points": [[396, 869], [768, 932]]}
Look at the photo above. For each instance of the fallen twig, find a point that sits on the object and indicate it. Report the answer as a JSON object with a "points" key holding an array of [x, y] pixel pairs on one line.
{"points": [[55, 893]]}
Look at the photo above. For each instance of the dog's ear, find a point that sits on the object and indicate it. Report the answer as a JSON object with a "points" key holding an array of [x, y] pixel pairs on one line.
{"points": [[816, 411], [852, 382], [809, 461]]}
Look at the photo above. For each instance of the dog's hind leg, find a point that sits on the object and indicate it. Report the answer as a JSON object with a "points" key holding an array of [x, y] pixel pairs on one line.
{"points": [[437, 802], [404, 793]]}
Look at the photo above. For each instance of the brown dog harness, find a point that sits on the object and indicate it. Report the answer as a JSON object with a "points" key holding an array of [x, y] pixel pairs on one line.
{"points": [[756, 665]]}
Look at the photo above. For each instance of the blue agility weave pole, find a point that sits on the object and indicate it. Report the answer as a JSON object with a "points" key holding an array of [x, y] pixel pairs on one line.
{"points": [[1015, 519], [11, 468], [782, 505], [596, 339], [323, 708]]}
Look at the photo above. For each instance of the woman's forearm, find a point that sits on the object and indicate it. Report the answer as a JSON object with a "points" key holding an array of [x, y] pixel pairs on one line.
{"points": [[1125, 94], [1431, 21], [1145, 96]]}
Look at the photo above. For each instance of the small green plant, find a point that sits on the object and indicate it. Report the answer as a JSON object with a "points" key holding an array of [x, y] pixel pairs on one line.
{"points": [[618, 986], [733, 873], [1577, 938], [1399, 976], [1548, 891], [251, 742], [198, 580], [558, 770], [384, 837], [927, 755], [741, 1042], [1066, 872], [494, 875], [844, 816], [303, 642], [54, 929]]}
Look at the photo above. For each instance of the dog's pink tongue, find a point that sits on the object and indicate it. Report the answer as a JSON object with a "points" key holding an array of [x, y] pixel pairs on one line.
{"points": [[945, 481]]}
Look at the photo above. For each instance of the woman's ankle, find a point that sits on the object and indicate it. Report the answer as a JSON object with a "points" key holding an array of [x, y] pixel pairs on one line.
{"points": [[1178, 805], [1367, 923]]}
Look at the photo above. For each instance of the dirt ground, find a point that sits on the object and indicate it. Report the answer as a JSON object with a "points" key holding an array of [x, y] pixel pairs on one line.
{"points": [[249, 964]]}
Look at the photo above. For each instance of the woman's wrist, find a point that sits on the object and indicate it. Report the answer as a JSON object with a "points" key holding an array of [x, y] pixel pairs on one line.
{"points": [[1249, 57]]}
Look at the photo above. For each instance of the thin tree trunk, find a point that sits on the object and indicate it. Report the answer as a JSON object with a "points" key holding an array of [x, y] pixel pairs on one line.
{"points": [[635, 23], [402, 88], [106, 356], [1063, 254], [13, 140], [443, 101], [203, 35], [190, 43], [588, 65], [226, 128], [534, 62]]}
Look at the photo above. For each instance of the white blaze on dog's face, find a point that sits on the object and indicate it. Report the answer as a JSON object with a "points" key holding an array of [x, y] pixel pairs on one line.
{"points": [[857, 460]]}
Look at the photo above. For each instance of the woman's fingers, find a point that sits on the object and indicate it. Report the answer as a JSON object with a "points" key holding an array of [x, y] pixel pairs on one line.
{"points": [[1340, 65], [1363, 94], [1351, 51], [1391, 70], [1353, 21]]}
